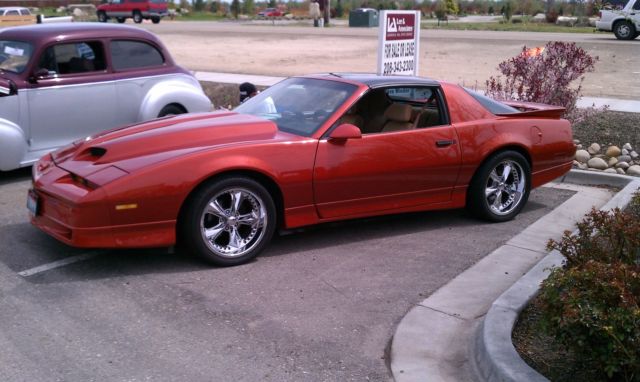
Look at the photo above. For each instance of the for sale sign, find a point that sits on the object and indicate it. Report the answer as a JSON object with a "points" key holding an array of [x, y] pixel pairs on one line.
{"points": [[399, 43]]}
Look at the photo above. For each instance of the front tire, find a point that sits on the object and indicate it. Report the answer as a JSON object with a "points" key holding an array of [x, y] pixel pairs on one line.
{"points": [[229, 221], [137, 17], [500, 188], [121, 20], [155, 20], [102, 17], [624, 30]]}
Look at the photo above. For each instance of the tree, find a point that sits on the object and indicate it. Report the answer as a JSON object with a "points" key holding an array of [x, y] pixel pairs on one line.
{"points": [[235, 8], [452, 7], [272, 3], [508, 11], [214, 7], [339, 9], [198, 5], [249, 7]]}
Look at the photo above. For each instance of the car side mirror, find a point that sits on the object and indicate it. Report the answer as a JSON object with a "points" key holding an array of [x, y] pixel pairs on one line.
{"points": [[344, 132], [7, 87]]}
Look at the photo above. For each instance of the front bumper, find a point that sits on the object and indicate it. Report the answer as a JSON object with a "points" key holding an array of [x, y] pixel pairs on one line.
{"points": [[82, 218]]}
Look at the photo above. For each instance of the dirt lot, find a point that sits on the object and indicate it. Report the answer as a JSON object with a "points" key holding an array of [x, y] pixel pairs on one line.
{"points": [[467, 57]]}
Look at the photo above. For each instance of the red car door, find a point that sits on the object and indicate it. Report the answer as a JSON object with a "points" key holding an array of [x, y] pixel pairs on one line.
{"points": [[386, 171]]}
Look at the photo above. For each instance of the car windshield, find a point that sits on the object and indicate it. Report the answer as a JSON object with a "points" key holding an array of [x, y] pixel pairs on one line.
{"points": [[14, 55], [298, 105]]}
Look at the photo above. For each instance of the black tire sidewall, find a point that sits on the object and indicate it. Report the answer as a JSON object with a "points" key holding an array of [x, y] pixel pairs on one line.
{"points": [[190, 224], [476, 200], [632, 31], [137, 17], [170, 110], [102, 17]]}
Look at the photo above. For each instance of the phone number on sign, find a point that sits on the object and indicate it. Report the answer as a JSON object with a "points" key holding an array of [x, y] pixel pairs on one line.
{"points": [[398, 67]]}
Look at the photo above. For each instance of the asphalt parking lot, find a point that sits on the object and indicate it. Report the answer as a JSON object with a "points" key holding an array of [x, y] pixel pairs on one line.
{"points": [[318, 305]]}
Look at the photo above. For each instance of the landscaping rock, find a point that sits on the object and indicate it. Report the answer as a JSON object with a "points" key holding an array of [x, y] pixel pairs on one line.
{"points": [[612, 161], [634, 155], [634, 170], [620, 171], [583, 166], [625, 152], [627, 146], [622, 165], [611, 171], [594, 149], [613, 151], [597, 163], [583, 156], [624, 158]]}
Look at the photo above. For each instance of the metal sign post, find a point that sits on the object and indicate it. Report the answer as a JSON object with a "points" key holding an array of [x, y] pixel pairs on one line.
{"points": [[399, 43]]}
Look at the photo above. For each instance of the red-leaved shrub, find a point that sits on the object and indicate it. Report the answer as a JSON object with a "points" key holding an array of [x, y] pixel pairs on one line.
{"points": [[544, 77]]}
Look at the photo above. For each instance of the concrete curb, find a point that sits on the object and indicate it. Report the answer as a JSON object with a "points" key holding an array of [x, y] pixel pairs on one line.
{"points": [[493, 356]]}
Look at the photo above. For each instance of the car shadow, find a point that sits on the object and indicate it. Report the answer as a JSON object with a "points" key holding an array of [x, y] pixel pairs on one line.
{"points": [[19, 175], [134, 262]]}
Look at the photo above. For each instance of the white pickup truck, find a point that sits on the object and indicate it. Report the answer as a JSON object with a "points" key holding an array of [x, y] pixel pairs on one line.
{"points": [[624, 23]]}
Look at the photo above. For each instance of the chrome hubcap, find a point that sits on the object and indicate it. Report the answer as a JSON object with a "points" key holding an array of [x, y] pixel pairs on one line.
{"points": [[505, 187], [233, 222], [624, 30]]}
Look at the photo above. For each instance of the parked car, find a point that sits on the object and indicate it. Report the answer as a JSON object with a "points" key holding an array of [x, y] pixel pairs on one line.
{"points": [[61, 82], [14, 11], [270, 12], [624, 23], [138, 10], [307, 150]]}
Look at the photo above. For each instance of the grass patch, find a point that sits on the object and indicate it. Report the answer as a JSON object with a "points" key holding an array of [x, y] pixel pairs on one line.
{"points": [[200, 16], [511, 27]]}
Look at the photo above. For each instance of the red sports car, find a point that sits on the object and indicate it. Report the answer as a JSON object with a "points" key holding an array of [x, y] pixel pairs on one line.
{"points": [[307, 150]]}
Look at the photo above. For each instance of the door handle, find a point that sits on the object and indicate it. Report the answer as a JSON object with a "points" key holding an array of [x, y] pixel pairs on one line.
{"points": [[445, 143]]}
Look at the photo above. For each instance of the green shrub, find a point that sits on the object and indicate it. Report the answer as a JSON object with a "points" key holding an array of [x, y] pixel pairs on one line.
{"points": [[592, 304]]}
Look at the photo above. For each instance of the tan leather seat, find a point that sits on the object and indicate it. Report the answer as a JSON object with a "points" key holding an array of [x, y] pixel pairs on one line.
{"points": [[427, 118], [398, 118]]}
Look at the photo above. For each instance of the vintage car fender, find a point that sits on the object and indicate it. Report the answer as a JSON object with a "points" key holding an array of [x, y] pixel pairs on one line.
{"points": [[188, 95], [13, 145]]}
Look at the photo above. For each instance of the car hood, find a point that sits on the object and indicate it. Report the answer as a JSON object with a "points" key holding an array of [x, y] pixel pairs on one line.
{"points": [[135, 146]]}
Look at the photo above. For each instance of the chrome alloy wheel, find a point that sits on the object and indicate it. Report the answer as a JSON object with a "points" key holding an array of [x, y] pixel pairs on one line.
{"points": [[505, 187], [233, 222]]}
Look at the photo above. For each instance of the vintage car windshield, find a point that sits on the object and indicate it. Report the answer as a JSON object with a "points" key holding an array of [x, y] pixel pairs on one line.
{"points": [[298, 105], [14, 55]]}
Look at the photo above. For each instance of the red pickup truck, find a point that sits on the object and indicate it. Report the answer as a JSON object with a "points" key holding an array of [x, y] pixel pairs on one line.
{"points": [[138, 10]]}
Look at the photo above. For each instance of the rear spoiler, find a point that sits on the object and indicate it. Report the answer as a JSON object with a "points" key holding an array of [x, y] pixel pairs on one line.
{"points": [[531, 109]]}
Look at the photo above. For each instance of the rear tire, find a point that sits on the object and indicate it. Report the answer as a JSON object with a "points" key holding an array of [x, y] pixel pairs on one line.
{"points": [[137, 17], [229, 221], [171, 109], [500, 188], [155, 20], [624, 30], [102, 17], [121, 20]]}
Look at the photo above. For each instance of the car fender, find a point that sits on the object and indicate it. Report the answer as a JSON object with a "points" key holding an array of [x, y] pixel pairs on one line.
{"points": [[13, 145], [188, 94]]}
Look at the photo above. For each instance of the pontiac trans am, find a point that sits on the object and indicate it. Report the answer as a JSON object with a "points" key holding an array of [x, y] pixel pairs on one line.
{"points": [[307, 150]]}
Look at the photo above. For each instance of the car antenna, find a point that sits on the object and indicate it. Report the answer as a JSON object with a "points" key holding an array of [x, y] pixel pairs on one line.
{"points": [[335, 75]]}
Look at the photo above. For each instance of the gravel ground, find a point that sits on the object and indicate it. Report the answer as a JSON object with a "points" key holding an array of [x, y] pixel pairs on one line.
{"points": [[609, 128]]}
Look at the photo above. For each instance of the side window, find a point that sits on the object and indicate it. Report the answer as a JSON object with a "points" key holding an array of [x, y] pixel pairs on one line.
{"points": [[12, 13], [128, 54], [636, 6], [25, 12], [396, 109], [78, 57]]}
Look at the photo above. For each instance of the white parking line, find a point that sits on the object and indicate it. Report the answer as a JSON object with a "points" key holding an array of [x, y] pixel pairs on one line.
{"points": [[57, 264]]}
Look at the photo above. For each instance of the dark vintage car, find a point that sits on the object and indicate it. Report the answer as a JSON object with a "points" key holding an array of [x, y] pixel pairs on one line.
{"points": [[307, 150], [61, 82]]}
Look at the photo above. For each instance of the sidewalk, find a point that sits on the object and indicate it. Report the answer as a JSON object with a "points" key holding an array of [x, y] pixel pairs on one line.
{"points": [[630, 106]]}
